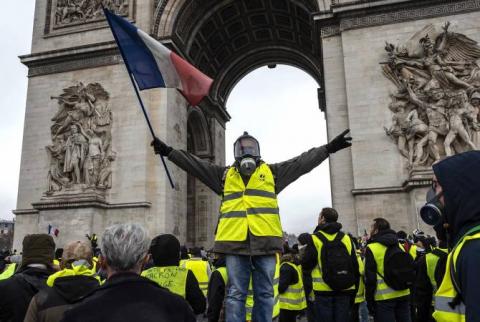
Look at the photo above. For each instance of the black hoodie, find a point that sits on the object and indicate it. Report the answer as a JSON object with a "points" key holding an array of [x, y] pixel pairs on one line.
{"points": [[459, 177], [387, 238]]}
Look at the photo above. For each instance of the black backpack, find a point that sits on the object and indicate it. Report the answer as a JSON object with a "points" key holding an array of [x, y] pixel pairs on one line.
{"points": [[398, 268], [338, 270]]}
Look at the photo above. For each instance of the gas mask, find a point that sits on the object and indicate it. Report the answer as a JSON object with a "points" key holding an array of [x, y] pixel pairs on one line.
{"points": [[432, 212], [247, 153]]}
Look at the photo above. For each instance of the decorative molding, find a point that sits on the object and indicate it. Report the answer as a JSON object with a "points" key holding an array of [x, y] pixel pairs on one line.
{"points": [[355, 18], [20, 212], [75, 58], [55, 205], [376, 191]]}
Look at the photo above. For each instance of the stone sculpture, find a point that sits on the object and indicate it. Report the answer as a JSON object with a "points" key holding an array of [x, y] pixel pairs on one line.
{"points": [[437, 99], [68, 12], [80, 155]]}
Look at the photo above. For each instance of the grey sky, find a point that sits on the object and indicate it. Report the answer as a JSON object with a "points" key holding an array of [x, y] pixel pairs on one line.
{"points": [[278, 106]]}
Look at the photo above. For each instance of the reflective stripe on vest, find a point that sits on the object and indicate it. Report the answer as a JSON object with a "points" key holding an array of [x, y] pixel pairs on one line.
{"points": [[383, 292], [317, 280], [8, 272], [360, 297], [249, 302], [199, 268], [173, 278], [252, 208], [294, 296], [446, 292]]}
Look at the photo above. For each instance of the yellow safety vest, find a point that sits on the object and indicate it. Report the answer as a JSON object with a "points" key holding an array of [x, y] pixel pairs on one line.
{"points": [[317, 278], [360, 297], [77, 270], [276, 305], [223, 272], [199, 268], [173, 278], [252, 208], [8, 272], [294, 296], [383, 292], [446, 292], [413, 251], [432, 260]]}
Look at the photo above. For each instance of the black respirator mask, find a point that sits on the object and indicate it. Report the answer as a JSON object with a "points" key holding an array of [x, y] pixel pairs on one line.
{"points": [[247, 153], [432, 212]]}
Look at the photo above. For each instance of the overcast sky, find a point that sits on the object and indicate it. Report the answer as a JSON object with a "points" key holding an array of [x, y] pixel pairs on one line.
{"points": [[278, 106]]}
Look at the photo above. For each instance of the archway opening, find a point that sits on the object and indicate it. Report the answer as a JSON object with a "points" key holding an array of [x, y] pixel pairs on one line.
{"points": [[279, 106]]}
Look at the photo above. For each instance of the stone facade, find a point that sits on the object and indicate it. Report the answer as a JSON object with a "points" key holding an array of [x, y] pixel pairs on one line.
{"points": [[339, 43]]}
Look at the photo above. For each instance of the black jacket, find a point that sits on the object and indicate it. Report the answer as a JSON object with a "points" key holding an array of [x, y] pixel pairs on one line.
{"points": [[309, 260], [423, 292], [17, 292], [216, 293], [194, 295], [129, 297], [288, 276], [212, 176], [49, 304], [459, 177], [386, 238]]}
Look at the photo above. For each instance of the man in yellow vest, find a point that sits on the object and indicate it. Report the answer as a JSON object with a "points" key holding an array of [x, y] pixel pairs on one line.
{"points": [[249, 230], [335, 275], [165, 252], [290, 289], [453, 209], [200, 268], [386, 303], [216, 290]]}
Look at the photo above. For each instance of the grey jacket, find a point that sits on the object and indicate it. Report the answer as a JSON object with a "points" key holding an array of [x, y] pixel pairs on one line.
{"points": [[284, 173]]}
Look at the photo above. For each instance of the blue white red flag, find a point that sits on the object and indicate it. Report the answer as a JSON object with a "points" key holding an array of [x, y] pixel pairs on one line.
{"points": [[154, 65]]}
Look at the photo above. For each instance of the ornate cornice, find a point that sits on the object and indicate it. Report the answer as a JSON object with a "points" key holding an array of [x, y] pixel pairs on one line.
{"points": [[55, 205], [355, 16], [74, 58]]}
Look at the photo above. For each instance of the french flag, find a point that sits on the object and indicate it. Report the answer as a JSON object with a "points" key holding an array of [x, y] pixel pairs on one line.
{"points": [[154, 65]]}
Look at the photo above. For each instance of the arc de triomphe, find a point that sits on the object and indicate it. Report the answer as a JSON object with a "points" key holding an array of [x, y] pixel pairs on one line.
{"points": [[86, 160]]}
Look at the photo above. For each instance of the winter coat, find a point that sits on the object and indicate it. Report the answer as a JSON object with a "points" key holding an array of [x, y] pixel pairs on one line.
{"points": [[17, 292], [459, 177], [49, 304], [284, 173], [127, 297]]}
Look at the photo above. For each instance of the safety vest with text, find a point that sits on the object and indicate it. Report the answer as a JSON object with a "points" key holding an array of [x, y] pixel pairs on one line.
{"points": [[252, 208], [317, 276], [447, 292], [199, 268], [383, 291], [174, 278], [294, 296]]}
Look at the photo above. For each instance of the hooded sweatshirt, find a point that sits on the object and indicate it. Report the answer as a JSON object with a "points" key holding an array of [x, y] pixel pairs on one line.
{"points": [[386, 237], [459, 177]]}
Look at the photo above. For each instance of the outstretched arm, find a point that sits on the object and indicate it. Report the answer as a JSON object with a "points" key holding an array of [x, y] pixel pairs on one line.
{"points": [[288, 171]]}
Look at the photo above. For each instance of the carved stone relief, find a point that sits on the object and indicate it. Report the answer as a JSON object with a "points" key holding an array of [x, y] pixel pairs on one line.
{"points": [[80, 155], [436, 104]]}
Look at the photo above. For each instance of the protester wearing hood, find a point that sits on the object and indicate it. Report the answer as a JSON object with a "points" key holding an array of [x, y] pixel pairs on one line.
{"points": [[75, 280], [334, 297], [165, 252], [249, 231], [384, 302], [17, 291], [126, 296], [290, 289], [216, 290], [453, 209]]}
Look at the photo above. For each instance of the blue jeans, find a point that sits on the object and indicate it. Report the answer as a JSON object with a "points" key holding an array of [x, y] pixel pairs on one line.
{"points": [[262, 270], [332, 308], [392, 310]]}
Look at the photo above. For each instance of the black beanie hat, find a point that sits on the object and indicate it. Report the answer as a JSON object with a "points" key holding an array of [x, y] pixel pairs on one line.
{"points": [[38, 249], [165, 250]]}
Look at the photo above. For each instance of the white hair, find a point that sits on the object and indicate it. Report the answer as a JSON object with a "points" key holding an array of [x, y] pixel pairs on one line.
{"points": [[124, 246]]}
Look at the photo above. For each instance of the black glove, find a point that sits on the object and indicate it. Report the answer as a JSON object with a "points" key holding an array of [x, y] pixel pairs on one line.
{"points": [[340, 142], [160, 147]]}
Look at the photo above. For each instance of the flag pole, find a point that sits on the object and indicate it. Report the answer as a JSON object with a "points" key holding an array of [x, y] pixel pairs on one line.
{"points": [[134, 83]]}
